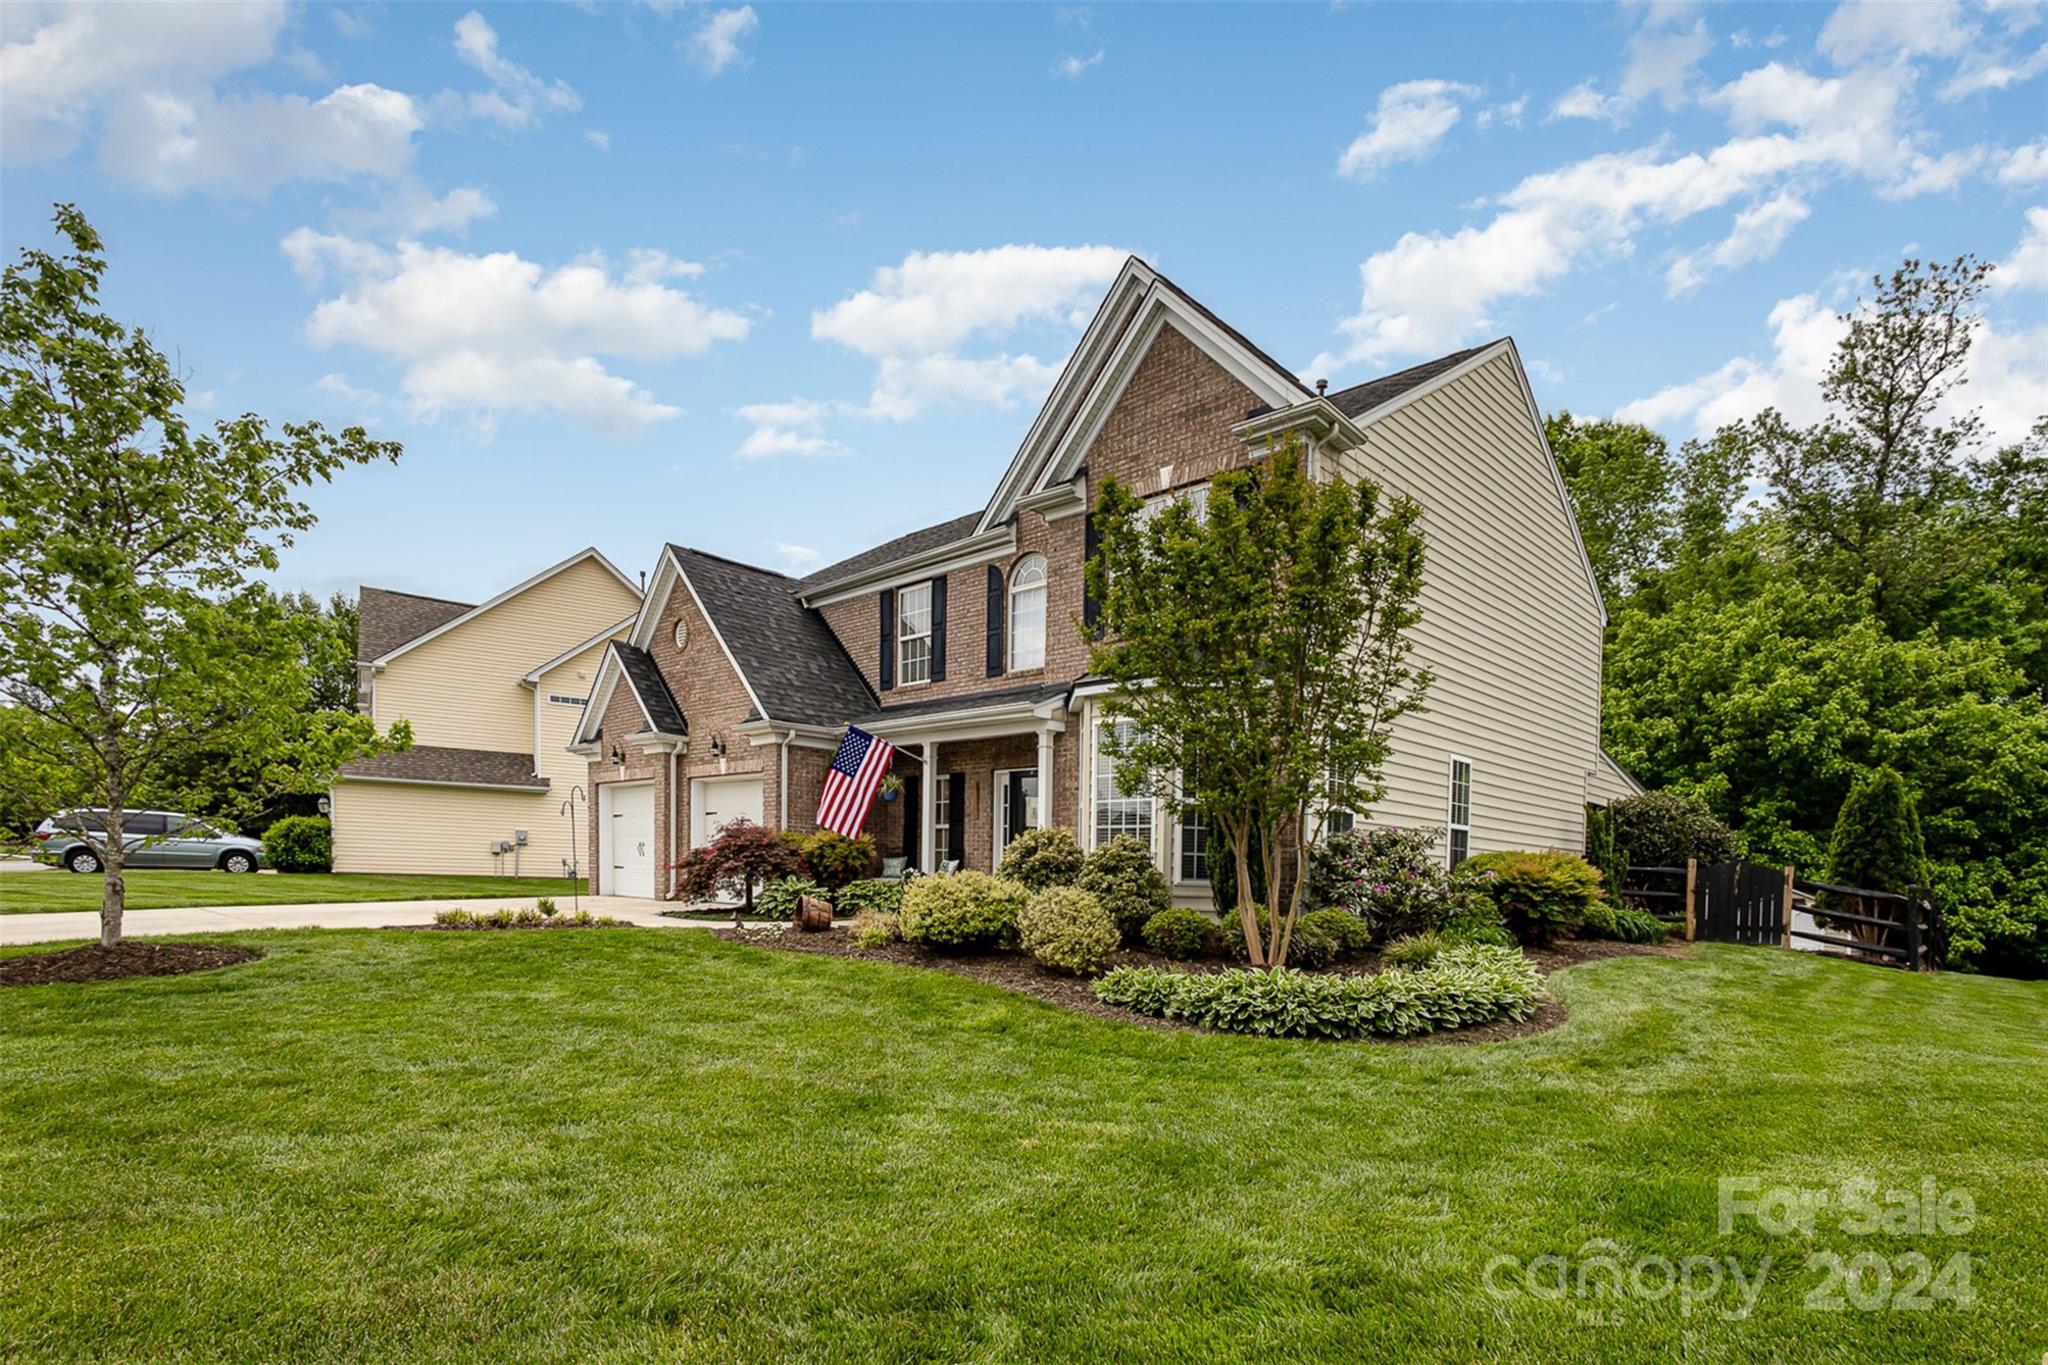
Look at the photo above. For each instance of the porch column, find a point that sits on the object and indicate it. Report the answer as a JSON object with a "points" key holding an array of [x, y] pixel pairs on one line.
{"points": [[928, 800], [1045, 777]]}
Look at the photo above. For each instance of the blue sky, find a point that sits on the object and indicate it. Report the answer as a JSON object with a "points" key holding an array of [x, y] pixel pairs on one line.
{"points": [[780, 281]]}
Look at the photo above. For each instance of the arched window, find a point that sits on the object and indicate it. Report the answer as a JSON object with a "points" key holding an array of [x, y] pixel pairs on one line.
{"points": [[1027, 613]]}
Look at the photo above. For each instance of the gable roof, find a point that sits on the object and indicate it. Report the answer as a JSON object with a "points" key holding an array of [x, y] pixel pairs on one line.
{"points": [[470, 613], [903, 547], [386, 619], [438, 765], [1360, 399], [657, 703], [788, 657]]}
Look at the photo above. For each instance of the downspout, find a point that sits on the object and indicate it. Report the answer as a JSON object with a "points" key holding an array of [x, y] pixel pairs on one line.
{"points": [[782, 786], [673, 856]]}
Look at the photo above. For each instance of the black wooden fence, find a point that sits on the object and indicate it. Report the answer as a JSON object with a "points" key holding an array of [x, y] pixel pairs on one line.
{"points": [[1749, 903]]}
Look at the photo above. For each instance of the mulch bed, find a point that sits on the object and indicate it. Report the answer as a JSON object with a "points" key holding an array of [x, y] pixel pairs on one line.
{"points": [[1018, 971], [94, 963]]}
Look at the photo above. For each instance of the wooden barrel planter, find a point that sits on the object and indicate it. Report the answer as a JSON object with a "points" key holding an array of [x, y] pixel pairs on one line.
{"points": [[812, 914]]}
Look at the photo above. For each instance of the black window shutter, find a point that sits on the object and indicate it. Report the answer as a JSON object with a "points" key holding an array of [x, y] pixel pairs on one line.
{"points": [[938, 629], [1090, 608], [888, 671], [912, 802], [956, 806], [995, 621]]}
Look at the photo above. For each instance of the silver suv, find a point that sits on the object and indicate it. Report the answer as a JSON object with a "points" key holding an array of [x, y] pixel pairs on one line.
{"points": [[153, 838]]}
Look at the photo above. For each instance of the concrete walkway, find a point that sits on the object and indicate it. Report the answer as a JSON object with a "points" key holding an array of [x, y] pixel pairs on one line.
{"points": [[85, 924]]}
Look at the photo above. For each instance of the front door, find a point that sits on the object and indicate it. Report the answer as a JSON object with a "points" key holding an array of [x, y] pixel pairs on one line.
{"points": [[1017, 805]]}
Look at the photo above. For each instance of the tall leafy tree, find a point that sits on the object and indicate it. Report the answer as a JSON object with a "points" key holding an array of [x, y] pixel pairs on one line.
{"points": [[130, 629], [1260, 650], [1623, 483]]}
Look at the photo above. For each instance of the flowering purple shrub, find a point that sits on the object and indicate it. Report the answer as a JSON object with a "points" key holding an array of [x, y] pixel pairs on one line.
{"points": [[1395, 881]]}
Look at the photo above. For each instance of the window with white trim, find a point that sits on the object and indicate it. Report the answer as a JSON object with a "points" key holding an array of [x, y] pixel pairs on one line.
{"points": [[1459, 824], [1194, 846], [1336, 819], [914, 634], [942, 821], [1116, 813], [563, 699], [1027, 613], [1196, 497]]}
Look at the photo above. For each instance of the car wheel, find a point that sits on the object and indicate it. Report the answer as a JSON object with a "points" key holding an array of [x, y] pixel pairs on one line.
{"points": [[237, 861], [82, 860]]}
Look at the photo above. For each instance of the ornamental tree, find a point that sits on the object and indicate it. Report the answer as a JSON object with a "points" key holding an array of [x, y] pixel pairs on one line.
{"points": [[131, 635], [1261, 652], [744, 855]]}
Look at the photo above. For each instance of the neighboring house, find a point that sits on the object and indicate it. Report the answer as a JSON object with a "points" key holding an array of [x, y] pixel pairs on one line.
{"points": [[958, 644], [494, 693]]}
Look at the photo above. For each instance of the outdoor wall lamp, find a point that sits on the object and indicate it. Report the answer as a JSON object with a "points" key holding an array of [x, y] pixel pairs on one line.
{"points": [[618, 755], [717, 747]]}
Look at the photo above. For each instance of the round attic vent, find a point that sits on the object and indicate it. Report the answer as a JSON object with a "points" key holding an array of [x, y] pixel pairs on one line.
{"points": [[682, 633]]}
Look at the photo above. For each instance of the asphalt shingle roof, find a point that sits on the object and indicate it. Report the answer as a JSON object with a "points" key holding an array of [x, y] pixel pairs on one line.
{"points": [[889, 551], [971, 701], [385, 619], [792, 660], [647, 683], [1363, 398], [432, 763]]}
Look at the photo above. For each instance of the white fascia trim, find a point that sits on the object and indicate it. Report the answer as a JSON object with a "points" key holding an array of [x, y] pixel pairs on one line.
{"points": [[1060, 500], [507, 595], [609, 673], [1114, 314], [961, 554], [1506, 346], [1162, 308], [980, 723], [431, 782], [719, 636], [565, 656], [655, 602], [1319, 416], [660, 742], [763, 732]]}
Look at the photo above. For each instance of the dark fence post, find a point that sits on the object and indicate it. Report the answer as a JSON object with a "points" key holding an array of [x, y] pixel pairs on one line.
{"points": [[1913, 929], [1785, 923], [1692, 877]]}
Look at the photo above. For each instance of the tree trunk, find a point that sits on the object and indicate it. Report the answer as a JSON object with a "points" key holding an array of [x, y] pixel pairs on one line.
{"points": [[114, 895], [1247, 916]]}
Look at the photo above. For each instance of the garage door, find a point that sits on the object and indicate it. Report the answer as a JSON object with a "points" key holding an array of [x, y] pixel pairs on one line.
{"points": [[627, 824], [721, 800]]}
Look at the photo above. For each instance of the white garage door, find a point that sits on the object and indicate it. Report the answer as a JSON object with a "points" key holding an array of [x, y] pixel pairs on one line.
{"points": [[626, 820], [721, 800]]}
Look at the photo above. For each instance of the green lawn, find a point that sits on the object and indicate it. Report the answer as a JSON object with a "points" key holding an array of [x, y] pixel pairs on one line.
{"points": [[630, 1144], [151, 889]]}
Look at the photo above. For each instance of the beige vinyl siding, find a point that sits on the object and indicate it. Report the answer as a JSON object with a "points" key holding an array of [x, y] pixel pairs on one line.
{"points": [[462, 689], [414, 828], [1511, 626], [1610, 783]]}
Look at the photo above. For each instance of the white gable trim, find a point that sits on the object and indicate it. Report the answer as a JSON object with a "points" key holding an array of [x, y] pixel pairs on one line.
{"points": [[719, 636], [1163, 307], [566, 655], [1506, 346], [609, 675], [506, 596]]}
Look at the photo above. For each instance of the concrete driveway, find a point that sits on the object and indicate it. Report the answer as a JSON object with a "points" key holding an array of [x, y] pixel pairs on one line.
{"points": [[85, 924]]}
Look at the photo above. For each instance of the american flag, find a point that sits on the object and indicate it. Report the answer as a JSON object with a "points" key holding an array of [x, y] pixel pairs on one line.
{"points": [[850, 787]]}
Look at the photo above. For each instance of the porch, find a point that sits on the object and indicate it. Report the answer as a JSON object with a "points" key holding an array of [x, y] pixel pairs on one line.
{"points": [[974, 776]]}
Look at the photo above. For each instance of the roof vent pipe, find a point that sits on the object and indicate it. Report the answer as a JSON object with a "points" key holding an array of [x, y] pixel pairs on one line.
{"points": [[1322, 387]]}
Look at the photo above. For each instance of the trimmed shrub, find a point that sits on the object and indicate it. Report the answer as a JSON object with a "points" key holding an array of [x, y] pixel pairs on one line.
{"points": [[1123, 877], [1322, 937], [879, 894], [1416, 950], [779, 899], [956, 910], [1663, 829], [1182, 934], [300, 843], [1877, 843], [835, 860], [1466, 984], [1543, 897], [1599, 921], [1393, 879], [1633, 925], [520, 919], [1068, 930], [1039, 858], [876, 929]]}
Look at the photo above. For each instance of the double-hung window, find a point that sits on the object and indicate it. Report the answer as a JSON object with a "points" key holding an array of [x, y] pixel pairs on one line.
{"points": [[1460, 822], [1027, 613], [914, 634], [942, 821], [1116, 813]]}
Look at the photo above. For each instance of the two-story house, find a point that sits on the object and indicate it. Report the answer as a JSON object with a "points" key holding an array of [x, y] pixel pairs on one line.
{"points": [[958, 643], [494, 692]]}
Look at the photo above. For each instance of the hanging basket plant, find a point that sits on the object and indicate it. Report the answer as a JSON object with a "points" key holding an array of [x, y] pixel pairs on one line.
{"points": [[892, 786]]}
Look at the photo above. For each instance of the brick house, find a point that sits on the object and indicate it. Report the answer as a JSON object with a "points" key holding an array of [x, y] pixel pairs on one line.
{"points": [[957, 643]]}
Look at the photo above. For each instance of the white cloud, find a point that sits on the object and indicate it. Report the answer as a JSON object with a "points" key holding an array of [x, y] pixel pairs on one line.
{"points": [[493, 332], [798, 557], [598, 138], [350, 24], [2008, 373], [59, 66], [1411, 119], [2025, 165], [1888, 30], [716, 43], [935, 300], [1585, 101], [788, 428], [2027, 267], [1661, 59], [517, 97], [1924, 174], [1508, 115], [246, 144], [1073, 67], [1758, 233], [1987, 70]]}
